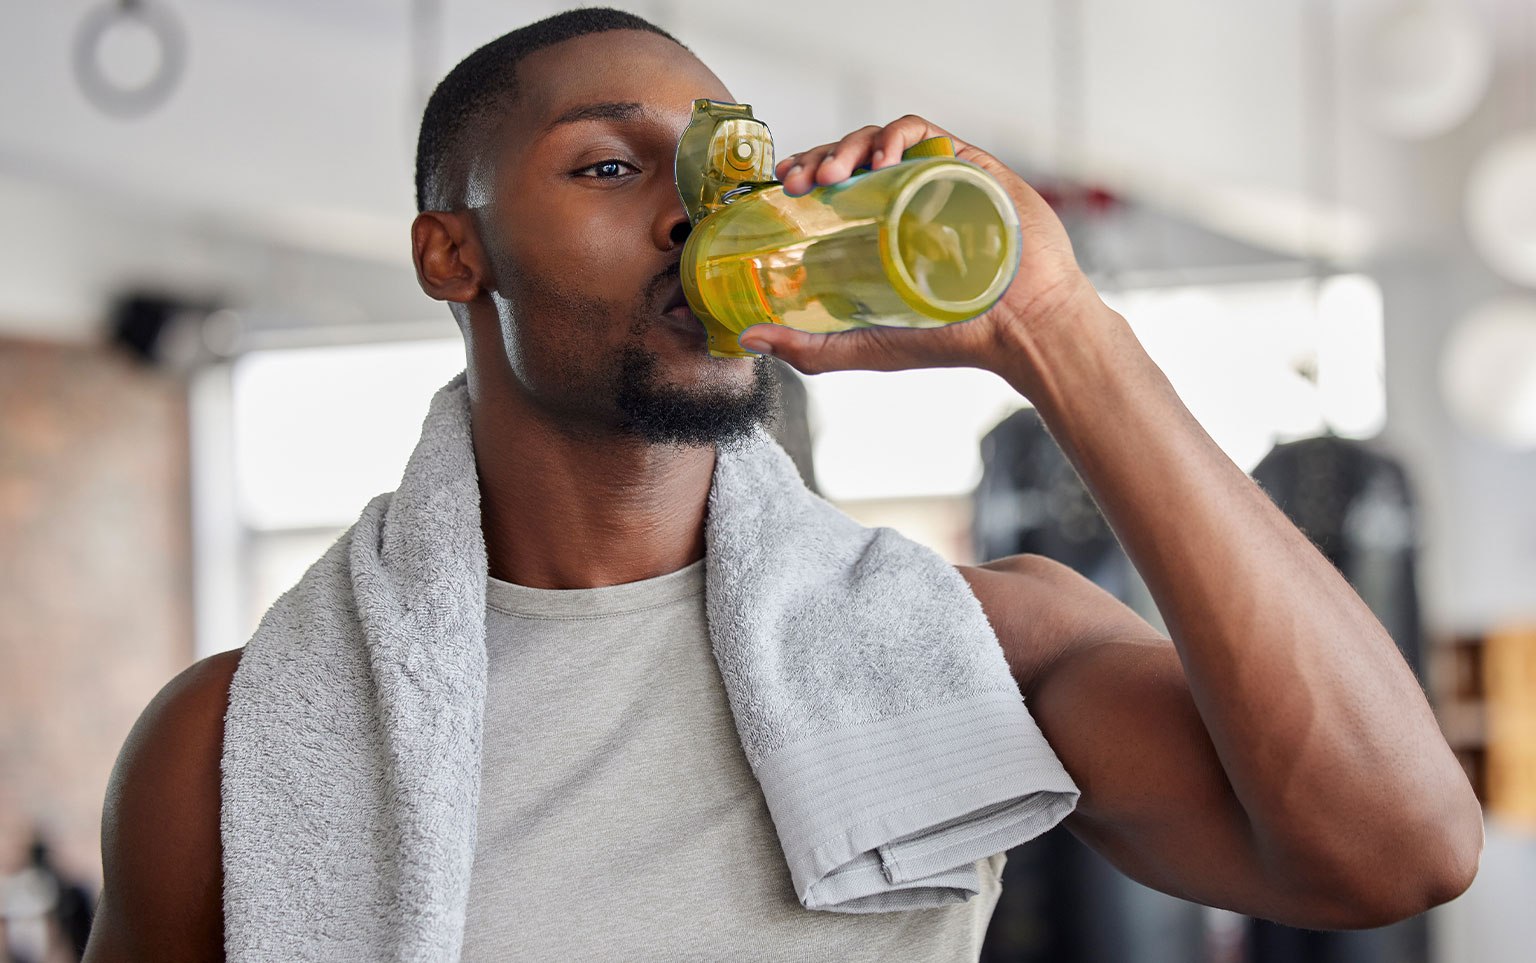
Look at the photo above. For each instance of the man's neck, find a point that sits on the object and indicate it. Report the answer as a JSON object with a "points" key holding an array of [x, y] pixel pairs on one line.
{"points": [[562, 512]]}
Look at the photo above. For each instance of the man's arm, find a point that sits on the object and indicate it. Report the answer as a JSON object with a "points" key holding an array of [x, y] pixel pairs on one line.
{"points": [[1292, 756], [163, 894], [1111, 697], [1343, 782]]}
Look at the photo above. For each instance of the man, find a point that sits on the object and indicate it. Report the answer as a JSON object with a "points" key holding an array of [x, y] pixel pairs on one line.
{"points": [[1275, 757]]}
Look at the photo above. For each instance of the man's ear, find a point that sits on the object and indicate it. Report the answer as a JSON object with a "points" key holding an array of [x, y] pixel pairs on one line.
{"points": [[450, 263]]}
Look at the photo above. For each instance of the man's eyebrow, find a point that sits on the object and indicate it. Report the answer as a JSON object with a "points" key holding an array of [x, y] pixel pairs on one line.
{"points": [[605, 110]]}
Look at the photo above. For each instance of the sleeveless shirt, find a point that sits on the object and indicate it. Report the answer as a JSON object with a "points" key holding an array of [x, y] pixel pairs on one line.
{"points": [[618, 816]]}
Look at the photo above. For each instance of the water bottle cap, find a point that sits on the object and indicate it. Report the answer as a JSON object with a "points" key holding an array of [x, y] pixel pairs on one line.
{"points": [[723, 153]]}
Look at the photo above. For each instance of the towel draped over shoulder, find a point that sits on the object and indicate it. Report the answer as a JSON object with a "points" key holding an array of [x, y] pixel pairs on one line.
{"points": [[870, 694]]}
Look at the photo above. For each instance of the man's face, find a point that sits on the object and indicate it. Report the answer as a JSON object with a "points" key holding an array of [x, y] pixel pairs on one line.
{"points": [[577, 207]]}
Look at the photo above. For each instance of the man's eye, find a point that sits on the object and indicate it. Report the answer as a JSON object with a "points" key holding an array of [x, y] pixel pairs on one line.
{"points": [[606, 169]]}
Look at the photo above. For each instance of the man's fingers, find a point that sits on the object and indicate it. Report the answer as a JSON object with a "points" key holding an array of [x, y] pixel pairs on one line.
{"points": [[872, 147], [850, 152], [901, 134], [800, 176], [829, 163], [869, 349]]}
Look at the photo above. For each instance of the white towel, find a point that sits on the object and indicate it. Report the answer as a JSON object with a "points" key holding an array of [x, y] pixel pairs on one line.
{"points": [[870, 694]]}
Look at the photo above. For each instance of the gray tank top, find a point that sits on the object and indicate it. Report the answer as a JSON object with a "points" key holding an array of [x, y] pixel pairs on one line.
{"points": [[618, 816]]}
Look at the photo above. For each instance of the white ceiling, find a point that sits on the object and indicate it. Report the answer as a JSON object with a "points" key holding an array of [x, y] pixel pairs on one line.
{"points": [[279, 173]]}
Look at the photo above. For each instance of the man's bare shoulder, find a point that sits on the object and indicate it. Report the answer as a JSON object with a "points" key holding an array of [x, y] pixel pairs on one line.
{"points": [[1041, 609], [163, 889]]}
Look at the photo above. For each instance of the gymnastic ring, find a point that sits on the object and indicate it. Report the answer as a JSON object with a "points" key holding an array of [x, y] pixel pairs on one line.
{"points": [[141, 99]]}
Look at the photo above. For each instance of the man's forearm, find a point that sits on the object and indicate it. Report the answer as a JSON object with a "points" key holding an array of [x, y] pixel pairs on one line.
{"points": [[1320, 726]]}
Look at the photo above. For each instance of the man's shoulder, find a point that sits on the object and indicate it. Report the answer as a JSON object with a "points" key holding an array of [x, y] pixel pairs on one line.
{"points": [[1024, 564], [185, 719], [1025, 589], [170, 760], [1040, 609], [161, 856]]}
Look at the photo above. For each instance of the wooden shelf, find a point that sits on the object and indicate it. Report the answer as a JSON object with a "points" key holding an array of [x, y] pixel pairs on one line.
{"points": [[1484, 693]]}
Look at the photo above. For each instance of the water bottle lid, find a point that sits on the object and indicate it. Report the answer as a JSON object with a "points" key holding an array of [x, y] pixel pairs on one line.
{"points": [[723, 153]]}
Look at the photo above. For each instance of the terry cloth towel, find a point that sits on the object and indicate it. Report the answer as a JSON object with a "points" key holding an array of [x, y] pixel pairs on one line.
{"points": [[869, 692]]}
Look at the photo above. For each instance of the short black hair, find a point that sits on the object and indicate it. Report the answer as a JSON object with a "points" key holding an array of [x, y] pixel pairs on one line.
{"points": [[486, 81]]}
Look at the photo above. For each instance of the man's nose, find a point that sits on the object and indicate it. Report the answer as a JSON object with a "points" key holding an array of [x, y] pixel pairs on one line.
{"points": [[680, 232], [672, 227]]}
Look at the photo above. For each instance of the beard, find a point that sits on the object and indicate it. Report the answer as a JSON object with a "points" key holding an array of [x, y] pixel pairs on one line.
{"points": [[663, 414]]}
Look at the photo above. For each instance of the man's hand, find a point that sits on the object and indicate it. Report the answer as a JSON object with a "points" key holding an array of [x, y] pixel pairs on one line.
{"points": [[1046, 287]]}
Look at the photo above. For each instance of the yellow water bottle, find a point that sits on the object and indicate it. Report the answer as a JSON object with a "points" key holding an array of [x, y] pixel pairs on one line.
{"points": [[929, 241]]}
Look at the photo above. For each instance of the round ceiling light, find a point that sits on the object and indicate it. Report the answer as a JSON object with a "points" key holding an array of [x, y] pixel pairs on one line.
{"points": [[1422, 67], [1488, 371], [1501, 207]]}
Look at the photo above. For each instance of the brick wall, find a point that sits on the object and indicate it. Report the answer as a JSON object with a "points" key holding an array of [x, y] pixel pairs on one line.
{"points": [[95, 591]]}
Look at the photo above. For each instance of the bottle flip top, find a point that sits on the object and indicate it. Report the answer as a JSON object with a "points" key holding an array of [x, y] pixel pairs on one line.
{"points": [[929, 241]]}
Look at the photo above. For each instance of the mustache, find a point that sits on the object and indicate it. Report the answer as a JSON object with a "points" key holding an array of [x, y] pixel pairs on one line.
{"points": [[653, 297], [656, 287]]}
